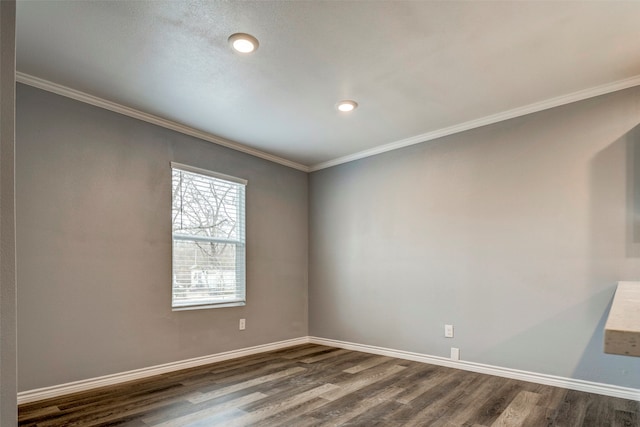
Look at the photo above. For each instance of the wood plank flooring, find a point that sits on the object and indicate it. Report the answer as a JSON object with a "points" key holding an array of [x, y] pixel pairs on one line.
{"points": [[314, 385]]}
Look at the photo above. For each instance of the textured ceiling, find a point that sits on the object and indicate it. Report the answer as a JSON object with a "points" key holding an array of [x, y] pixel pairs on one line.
{"points": [[414, 67]]}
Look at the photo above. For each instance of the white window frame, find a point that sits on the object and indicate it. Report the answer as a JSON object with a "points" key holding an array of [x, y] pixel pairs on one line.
{"points": [[240, 244]]}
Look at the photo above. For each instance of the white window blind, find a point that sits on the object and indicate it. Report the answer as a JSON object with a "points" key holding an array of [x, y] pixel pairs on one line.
{"points": [[208, 217]]}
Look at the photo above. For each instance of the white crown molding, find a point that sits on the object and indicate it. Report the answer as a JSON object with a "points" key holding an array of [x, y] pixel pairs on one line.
{"points": [[484, 121], [150, 118], [91, 383], [425, 137], [533, 377]]}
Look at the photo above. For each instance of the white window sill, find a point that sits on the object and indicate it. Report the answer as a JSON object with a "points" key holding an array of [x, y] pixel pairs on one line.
{"points": [[207, 306]]}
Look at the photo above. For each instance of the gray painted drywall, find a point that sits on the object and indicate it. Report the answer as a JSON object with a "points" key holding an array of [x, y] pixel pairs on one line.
{"points": [[94, 245], [515, 233], [8, 406]]}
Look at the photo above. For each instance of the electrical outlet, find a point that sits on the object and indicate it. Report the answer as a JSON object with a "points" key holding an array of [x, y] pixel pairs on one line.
{"points": [[243, 324], [448, 331], [455, 353]]}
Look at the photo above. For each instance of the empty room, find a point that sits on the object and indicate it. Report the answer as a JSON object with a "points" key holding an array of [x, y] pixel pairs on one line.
{"points": [[319, 213]]}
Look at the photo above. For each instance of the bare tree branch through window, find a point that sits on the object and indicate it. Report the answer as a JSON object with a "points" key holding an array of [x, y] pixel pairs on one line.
{"points": [[208, 239]]}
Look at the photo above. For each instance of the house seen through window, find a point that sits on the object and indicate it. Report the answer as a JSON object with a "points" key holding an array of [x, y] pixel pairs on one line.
{"points": [[208, 217]]}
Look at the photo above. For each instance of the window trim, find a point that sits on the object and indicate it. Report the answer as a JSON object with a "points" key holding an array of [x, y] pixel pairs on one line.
{"points": [[174, 237], [206, 172]]}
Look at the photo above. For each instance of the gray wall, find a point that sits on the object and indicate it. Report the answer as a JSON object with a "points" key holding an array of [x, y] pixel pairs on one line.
{"points": [[94, 245], [8, 408], [515, 233]]}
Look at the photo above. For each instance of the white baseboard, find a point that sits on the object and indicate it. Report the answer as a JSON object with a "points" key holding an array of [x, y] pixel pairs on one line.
{"points": [[568, 383], [91, 383]]}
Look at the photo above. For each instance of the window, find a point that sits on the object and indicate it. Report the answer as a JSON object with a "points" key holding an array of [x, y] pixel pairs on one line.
{"points": [[208, 238]]}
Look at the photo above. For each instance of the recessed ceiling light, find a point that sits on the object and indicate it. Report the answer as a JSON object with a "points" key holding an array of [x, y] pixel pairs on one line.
{"points": [[243, 43], [347, 105]]}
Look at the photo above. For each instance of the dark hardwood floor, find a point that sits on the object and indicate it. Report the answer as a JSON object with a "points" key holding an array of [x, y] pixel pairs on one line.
{"points": [[313, 385]]}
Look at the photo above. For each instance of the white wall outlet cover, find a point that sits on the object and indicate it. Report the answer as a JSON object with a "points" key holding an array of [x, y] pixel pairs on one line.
{"points": [[455, 353], [243, 324], [448, 331]]}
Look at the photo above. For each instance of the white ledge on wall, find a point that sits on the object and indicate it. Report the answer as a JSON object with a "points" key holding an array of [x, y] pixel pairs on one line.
{"points": [[568, 383], [622, 330]]}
